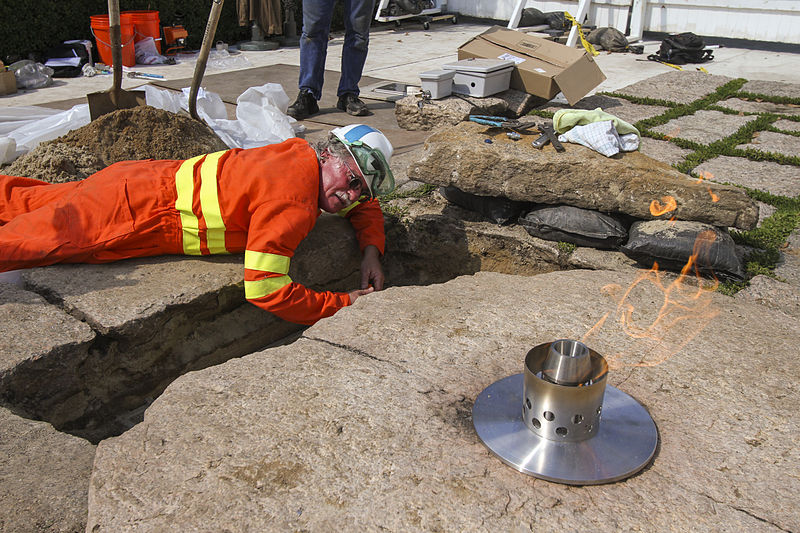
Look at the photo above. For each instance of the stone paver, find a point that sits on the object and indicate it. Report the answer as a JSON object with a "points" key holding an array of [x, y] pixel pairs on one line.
{"points": [[44, 477], [747, 106], [619, 107], [681, 87], [786, 125], [783, 180], [772, 88], [772, 293], [778, 143], [789, 267], [664, 151], [765, 211], [704, 127], [364, 424]]}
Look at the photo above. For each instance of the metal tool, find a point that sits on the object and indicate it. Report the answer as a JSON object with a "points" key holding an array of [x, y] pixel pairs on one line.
{"points": [[502, 122], [114, 98], [202, 57], [548, 135], [145, 75], [557, 433]]}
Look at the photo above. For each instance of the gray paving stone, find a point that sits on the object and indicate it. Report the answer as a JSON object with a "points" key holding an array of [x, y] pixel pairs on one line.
{"points": [[704, 126], [765, 211], [746, 106], [786, 125], [783, 180], [681, 87], [663, 151], [772, 88], [619, 107], [789, 267], [44, 477], [364, 423], [777, 143], [772, 293]]}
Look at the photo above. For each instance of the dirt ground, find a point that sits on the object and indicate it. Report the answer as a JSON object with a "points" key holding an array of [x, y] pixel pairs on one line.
{"points": [[139, 133]]}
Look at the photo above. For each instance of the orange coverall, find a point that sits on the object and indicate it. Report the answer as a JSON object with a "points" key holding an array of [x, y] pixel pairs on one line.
{"points": [[262, 201]]}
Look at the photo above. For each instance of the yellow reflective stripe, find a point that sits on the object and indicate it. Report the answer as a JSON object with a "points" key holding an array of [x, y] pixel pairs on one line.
{"points": [[184, 182], [347, 209], [266, 262], [263, 287], [209, 201]]}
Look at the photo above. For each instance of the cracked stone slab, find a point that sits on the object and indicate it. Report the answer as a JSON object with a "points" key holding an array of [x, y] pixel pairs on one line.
{"points": [[704, 127], [747, 106], [772, 293], [664, 151], [453, 109], [783, 180], [681, 87], [44, 477], [619, 107], [777, 143], [365, 422], [786, 125], [626, 183], [772, 88]]}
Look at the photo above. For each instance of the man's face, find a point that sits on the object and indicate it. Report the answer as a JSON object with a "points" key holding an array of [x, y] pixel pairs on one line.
{"points": [[340, 184]]}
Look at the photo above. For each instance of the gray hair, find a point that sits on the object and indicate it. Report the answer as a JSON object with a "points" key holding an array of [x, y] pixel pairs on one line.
{"points": [[333, 147]]}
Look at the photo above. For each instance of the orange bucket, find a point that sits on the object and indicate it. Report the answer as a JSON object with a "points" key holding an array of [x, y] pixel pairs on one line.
{"points": [[146, 24], [101, 34]]}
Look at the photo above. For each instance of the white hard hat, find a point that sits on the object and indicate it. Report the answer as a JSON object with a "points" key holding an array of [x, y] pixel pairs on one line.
{"points": [[372, 152]]}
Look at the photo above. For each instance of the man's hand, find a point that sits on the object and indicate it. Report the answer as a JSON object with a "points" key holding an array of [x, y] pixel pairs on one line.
{"points": [[358, 292], [371, 270]]}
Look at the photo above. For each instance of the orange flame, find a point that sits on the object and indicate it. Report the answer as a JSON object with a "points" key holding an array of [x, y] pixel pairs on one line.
{"points": [[685, 311], [714, 197], [666, 205], [704, 175]]}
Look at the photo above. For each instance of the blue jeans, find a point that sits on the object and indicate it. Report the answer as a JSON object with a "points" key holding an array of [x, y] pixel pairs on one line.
{"points": [[317, 16]]}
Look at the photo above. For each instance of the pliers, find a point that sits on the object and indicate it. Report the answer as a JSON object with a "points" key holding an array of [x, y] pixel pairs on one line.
{"points": [[501, 122]]}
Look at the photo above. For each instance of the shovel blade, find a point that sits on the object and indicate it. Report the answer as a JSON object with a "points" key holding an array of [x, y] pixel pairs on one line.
{"points": [[107, 101]]}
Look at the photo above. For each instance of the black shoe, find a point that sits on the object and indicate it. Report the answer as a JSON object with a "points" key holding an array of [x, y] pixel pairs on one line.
{"points": [[304, 106], [350, 103]]}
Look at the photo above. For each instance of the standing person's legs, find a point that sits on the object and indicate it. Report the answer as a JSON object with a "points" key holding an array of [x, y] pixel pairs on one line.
{"points": [[358, 15], [317, 16]]}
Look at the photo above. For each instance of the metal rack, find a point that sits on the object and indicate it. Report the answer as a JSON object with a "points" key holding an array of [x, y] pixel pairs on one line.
{"points": [[426, 16]]}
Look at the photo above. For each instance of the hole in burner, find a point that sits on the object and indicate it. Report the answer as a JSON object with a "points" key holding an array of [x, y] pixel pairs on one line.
{"points": [[577, 419], [528, 403], [561, 431], [549, 416], [535, 423]]}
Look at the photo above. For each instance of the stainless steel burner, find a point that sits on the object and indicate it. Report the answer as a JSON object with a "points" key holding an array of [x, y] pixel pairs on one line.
{"points": [[557, 434]]}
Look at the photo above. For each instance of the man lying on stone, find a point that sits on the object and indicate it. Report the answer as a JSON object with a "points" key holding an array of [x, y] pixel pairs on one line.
{"points": [[262, 201]]}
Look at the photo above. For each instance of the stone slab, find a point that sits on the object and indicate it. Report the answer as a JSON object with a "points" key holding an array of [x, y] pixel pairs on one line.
{"points": [[772, 88], [777, 143], [783, 180], [772, 293], [44, 477], [581, 177], [682, 87], [789, 267], [786, 125], [619, 107], [765, 211], [663, 151], [747, 106], [703, 127], [364, 423]]}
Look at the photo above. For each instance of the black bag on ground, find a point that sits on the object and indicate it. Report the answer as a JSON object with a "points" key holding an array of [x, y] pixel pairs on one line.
{"points": [[75, 54], [681, 49], [610, 39], [497, 209], [583, 227], [532, 17], [557, 20], [670, 244]]}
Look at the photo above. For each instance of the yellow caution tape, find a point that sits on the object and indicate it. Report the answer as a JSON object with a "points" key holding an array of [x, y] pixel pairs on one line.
{"points": [[701, 69], [586, 44], [676, 67]]}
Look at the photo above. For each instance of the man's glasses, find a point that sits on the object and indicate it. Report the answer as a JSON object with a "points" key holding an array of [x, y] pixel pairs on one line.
{"points": [[354, 182]]}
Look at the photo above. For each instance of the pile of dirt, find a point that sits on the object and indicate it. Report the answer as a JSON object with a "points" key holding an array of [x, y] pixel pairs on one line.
{"points": [[127, 134]]}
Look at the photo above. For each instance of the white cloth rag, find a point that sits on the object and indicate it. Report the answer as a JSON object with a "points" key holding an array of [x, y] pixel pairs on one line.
{"points": [[601, 137]]}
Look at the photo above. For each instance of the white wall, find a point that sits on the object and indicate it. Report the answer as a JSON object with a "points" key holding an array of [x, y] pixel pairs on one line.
{"points": [[761, 20]]}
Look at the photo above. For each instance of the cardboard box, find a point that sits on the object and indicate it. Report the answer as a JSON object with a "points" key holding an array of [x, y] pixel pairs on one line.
{"points": [[544, 68], [8, 82]]}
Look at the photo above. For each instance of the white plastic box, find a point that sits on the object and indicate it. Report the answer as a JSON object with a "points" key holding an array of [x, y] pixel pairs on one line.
{"points": [[481, 77], [438, 82]]}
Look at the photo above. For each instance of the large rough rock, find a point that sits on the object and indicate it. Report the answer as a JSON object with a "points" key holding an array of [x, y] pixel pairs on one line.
{"points": [[364, 423], [154, 319], [626, 183], [44, 477], [432, 114]]}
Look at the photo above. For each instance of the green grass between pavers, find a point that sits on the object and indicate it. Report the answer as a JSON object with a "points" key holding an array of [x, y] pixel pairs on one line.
{"points": [[397, 212], [769, 237]]}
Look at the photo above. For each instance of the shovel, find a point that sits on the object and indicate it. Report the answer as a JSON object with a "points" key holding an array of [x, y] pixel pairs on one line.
{"points": [[202, 58], [114, 98]]}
